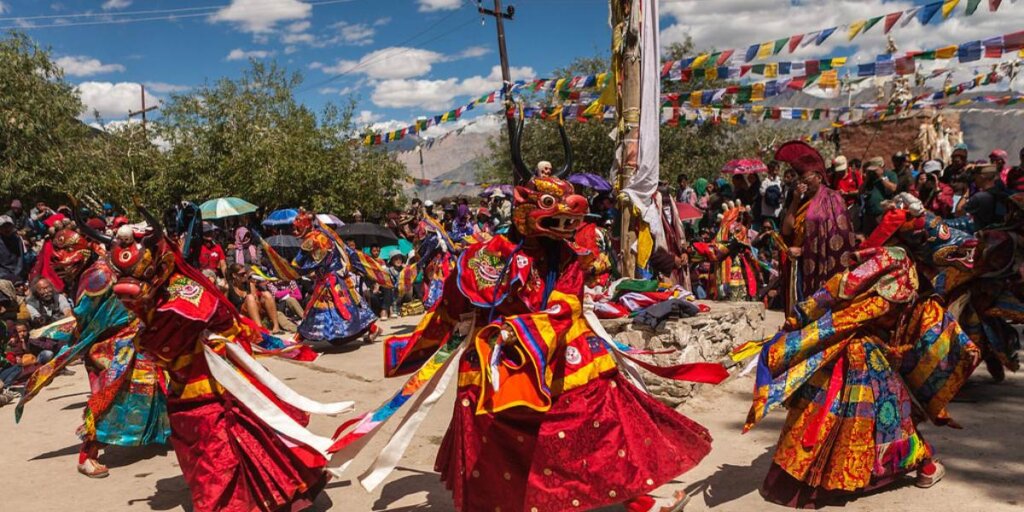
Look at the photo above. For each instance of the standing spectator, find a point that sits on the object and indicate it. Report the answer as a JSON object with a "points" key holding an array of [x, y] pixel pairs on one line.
{"points": [[1001, 160], [685, 193], [987, 205], [879, 185], [501, 208], [904, 171], [211, 255], [936, 195], [772, 195], [846, 180], [961, 192], [18, 215], [789, 182], [381, 299], [12, 251], [45, 305], [957, 164]]}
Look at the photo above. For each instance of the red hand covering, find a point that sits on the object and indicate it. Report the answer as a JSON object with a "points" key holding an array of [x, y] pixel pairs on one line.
{"points": [[44, 268]]}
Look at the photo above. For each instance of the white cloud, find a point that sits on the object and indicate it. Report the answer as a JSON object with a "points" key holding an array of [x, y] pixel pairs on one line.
{"points": [[299, 26], [439, 94], [379, 22], [116, 4], [80, 65], [365, 117], [240, 54], [355, 34], [112, 101], [262, 15], [298, 38], [164, 87], [438, 5], [4, 8], [389, 63], [473, 52]]}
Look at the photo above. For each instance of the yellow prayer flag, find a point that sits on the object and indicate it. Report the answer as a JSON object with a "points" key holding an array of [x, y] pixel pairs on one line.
{"points": [[829, 79], [771, 70], [757, 92], [1021, 54], [601, 77], [947, 52], [559, 84], [711, 74], [695, 99], [593, 109], [699, 61], [856, 27], [765, 50], [757, 109], [948, 7], [838, 62]]}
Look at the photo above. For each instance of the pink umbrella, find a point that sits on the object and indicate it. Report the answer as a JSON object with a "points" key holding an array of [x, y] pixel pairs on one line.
{"points": [[744, 166]]}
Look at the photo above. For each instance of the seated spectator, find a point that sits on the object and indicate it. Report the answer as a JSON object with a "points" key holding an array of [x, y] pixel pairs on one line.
{"points": [[45, 305], [211, 255], [249, 299], [395, 266], [289, 299]]}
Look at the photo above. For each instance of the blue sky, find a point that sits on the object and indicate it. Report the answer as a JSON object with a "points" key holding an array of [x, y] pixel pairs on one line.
{"points": [[404, 58]]}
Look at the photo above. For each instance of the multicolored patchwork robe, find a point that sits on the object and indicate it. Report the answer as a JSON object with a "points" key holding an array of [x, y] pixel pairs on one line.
{"points": [[127, 405], [869, 358]]}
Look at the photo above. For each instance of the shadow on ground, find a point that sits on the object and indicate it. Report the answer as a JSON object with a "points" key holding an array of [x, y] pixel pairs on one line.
{"points": [[438, 498]]}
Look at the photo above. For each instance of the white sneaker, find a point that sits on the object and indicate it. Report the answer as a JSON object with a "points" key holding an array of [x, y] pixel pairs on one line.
{"points": [[925, 481]]}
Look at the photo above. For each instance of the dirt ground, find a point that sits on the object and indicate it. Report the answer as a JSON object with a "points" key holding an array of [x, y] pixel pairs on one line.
{"points": [[985, 460]]}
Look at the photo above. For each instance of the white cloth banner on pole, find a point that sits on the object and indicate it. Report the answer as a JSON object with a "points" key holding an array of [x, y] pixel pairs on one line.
{"points": [[644, 183]]}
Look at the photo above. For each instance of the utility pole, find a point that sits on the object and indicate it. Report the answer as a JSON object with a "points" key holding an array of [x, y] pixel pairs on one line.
{"points": [[506, 75], [143, 111]]}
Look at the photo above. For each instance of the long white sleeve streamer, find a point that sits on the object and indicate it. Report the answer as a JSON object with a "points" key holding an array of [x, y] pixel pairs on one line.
{"points": [[392, 453], [280, 389], [243, 390]]}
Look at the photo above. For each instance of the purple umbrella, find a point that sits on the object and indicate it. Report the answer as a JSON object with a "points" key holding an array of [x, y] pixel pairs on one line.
{"points": [[593, 181], [504, 189], [745, 166]]}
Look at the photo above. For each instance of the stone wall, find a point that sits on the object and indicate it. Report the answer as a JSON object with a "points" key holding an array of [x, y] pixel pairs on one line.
{"points": [[707, 337]]}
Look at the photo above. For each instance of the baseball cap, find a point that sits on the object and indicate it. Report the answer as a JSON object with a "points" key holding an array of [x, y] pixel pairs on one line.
{"points": [[6, 219], [840, 163], [875, 163], [932, 166], [428, 203]]}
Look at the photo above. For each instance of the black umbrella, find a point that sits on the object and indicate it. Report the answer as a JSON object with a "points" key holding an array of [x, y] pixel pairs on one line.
{"points": [[366, 234], [285, 245]]}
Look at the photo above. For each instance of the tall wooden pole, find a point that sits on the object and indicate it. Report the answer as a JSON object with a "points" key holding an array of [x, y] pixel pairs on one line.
{"points": [[626, 42]]}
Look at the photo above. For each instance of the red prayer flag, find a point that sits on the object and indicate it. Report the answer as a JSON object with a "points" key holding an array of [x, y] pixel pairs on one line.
{"points": [[722, 59], [666, 68], [744, 69], [794, 42], [891, 20], [812, 67], [993, 5], [1013, 42], [905, 65]]}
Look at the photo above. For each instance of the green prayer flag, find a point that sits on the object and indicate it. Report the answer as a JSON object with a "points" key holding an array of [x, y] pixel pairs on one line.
{"points": [[746, 91], [758, 69], [824, 64], [779, 45], [972, 5], [870, 24]]}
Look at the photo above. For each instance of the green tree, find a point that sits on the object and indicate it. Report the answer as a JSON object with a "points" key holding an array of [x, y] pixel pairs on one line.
{"points": [[39, 130]]}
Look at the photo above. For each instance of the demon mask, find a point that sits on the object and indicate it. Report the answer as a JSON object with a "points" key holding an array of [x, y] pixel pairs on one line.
{"points": [[143, 262], [548, 207]]}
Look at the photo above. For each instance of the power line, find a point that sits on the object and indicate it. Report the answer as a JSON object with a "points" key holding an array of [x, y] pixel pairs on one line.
{"points": [[389, 55], [126, 17]]}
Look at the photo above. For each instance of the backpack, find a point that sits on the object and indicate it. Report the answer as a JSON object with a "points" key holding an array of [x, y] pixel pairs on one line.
{"points": [[773, 196]]}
